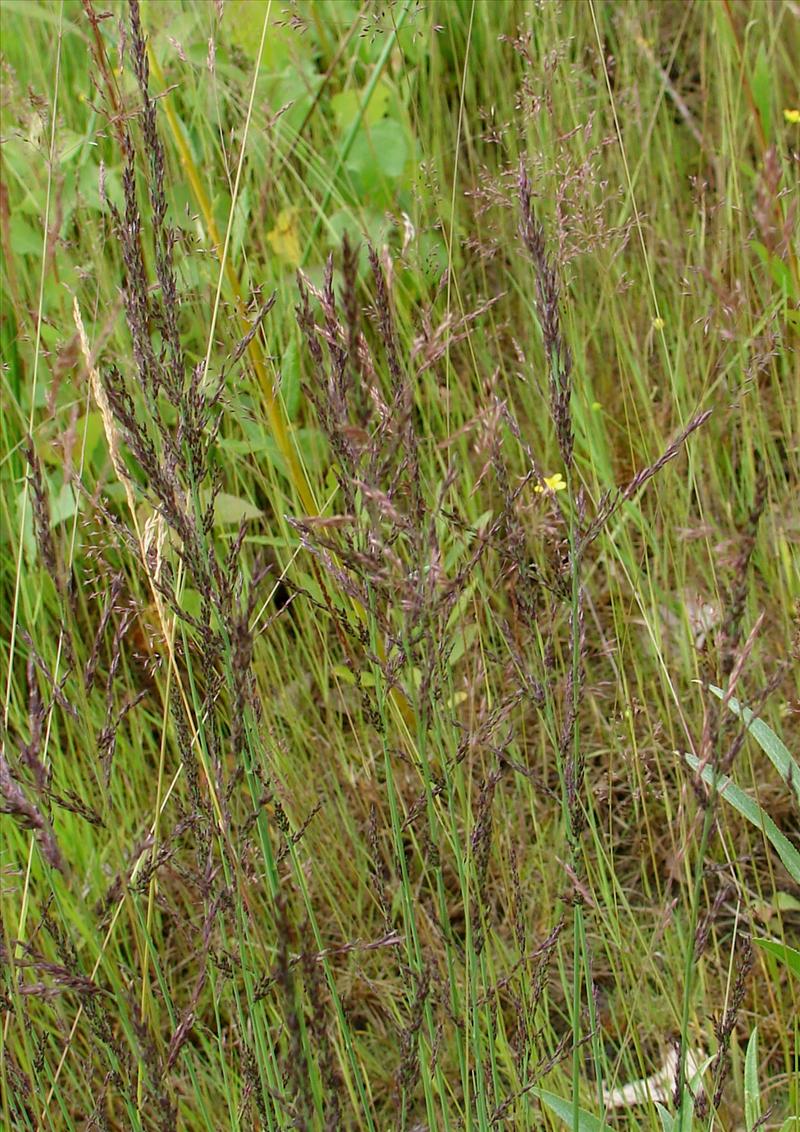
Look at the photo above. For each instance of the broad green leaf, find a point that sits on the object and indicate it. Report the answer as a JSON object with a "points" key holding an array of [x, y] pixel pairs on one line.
{"points": [[754, 813], [787, 955], [191, 602], [294, 91], [91, 428], [311, 444], [686, 1122], [667, 1120], [775, 750], [347, 104], [263, 446], [230, 510], [244, 23], [63, 505], [752, 1092], [90, 436], [464, 640], [25, 240], [343, 674], [381, 151], [390, 140], [785, 902], [563, 1108]]}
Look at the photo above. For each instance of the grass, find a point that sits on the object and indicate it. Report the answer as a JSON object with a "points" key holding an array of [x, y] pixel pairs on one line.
{"points": [[357, 623]]}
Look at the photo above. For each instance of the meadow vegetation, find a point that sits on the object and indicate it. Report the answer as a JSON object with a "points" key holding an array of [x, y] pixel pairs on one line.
{"points": [[400, 463]]}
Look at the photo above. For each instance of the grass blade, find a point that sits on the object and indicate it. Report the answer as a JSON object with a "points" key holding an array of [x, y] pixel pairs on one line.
{"points": [[790, 956], [775, 750], [752, 1092], [587, 1122], [755, 814]]}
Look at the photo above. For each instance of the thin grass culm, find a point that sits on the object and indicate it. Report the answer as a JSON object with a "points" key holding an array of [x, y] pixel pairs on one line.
{"points": [[399, 572], [570, 752]]}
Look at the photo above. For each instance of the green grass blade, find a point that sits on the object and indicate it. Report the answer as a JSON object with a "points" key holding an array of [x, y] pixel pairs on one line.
{"points": [[564, 1109], [790, 956], [752, 1092], [754, 813], [775, 750], [667, 1120]]}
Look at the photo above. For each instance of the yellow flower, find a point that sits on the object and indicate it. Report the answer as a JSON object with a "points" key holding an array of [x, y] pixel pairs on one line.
{"points": [[791, 116], [658, 323], [552, 483]]}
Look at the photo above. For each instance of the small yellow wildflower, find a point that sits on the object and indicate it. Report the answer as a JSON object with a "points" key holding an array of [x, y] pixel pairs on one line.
{"points": [[792, 116], [658, 323], [596, 407], [552, 483]]}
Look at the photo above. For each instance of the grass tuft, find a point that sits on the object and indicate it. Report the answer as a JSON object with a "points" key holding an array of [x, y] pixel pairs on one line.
{"points": [[400, 416]]}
